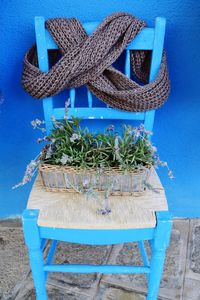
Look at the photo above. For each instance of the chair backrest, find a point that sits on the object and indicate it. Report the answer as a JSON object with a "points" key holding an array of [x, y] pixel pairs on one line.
{"points": [[147, 39]]}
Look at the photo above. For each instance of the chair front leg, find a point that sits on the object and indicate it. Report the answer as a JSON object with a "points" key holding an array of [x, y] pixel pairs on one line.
{"points": [[159, 246], [33, 242]]}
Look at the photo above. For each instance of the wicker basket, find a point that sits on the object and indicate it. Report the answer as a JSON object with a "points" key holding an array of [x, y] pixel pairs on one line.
{"points": [[65, 179]]}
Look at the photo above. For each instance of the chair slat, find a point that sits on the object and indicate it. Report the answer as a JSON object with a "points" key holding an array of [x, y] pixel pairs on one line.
{"points": [[90, 99], [72, 95], [98, 113], [144, 40], [128, 64], [105, 269]]}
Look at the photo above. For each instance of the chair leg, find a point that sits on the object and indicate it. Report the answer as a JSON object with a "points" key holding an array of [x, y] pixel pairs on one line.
{"points": [[33, 242], [159, 246]]}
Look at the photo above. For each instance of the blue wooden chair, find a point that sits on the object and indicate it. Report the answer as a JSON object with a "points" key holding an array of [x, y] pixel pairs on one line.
{"points": [[157, 232]]}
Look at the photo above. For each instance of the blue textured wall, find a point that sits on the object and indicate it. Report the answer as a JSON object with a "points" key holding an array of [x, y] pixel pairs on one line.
{"points": [[177, 129]]}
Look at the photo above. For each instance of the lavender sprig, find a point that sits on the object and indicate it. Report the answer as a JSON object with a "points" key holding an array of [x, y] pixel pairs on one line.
{"points": [[30, 172]]}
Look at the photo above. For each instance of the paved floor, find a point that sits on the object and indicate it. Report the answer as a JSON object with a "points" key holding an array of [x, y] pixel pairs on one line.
{"points": [[181, 278]]}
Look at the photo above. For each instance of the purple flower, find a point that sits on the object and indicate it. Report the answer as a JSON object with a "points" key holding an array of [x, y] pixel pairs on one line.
{"points": [[162, 163], [53, 119], [45, 138], [110, 128], [74, 137], [142, 129], [30, 171], [86, 182], [39, 140], [116, 147], [67, 104], [35, 123], [49, 152], [129, 130], [65, 159], [170, 174]]}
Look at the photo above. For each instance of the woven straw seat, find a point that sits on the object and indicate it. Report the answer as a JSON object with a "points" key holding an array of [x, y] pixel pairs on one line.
{"points": [[73, 210]]}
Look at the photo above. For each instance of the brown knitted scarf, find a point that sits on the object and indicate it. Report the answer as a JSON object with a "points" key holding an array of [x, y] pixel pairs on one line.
{"points": [[87, 60]]}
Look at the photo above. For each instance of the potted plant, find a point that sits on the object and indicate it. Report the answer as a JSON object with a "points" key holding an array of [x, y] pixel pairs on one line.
{"points": [[77, 160]]}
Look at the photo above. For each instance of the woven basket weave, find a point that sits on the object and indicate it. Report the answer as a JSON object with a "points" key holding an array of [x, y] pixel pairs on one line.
{"points": [[64, 179]]}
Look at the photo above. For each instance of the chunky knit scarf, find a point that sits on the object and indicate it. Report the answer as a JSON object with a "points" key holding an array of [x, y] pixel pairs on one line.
{"points": [[87, 60]]}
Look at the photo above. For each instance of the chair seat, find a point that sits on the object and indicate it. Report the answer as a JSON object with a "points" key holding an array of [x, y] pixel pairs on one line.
{"points": [[73, 210]]}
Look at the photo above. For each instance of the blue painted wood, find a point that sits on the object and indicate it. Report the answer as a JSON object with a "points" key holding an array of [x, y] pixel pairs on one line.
{"points": [[149, 120], [43, 244], [34, 242], [72, 95], [90, 99], [97, 113], [158, 43], [105, 269], [42, 53], [143, 253], [128, 64], [97, 237], [157, 51], [51, 252], [143, 41], [50, 255], [159, 245]]}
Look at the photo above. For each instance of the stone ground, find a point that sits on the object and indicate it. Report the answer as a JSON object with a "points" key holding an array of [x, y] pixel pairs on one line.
{"points": [[181, 278]]}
